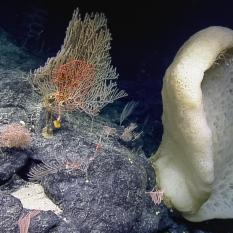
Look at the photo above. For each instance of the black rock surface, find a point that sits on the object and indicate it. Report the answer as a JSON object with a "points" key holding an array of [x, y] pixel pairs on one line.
{"points": [[12, 210], [98, 182]]}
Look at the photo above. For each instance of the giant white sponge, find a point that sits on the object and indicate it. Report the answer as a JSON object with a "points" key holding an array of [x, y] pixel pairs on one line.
{"points": [[194, 163]]}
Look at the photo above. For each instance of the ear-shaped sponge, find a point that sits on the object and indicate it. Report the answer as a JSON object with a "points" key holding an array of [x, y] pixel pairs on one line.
{"points": [[194, 163]]}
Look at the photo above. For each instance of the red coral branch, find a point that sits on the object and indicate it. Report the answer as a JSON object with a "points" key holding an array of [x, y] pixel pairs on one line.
{"points": [[73, 81]]}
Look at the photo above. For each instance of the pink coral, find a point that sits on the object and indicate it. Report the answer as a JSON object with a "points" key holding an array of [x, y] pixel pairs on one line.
{"points": [[14, 135]]}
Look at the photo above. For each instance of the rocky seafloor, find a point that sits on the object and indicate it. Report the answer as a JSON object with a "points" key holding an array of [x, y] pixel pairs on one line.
{"points": [[106, 193]]}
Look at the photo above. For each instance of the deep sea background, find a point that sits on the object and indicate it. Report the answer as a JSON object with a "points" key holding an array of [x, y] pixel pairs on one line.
{"points": [[146, 36]]}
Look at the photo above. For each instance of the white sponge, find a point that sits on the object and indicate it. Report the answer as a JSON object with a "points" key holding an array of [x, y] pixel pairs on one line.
{"points": [[194, 161]]}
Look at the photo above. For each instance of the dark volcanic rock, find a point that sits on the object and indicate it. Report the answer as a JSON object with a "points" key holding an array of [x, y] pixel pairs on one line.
{"points": [[11, 162], [66, 226], [108, 198], [43, 222], [10, 211], [96, 180]]}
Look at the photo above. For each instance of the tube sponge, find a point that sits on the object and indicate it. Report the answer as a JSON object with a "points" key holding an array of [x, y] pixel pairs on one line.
{"points": [[194, 163]]}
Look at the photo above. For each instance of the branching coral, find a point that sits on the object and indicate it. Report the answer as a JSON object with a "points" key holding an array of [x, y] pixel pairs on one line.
{"points": [[81, 75]]}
